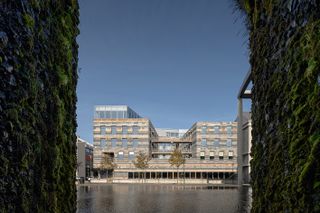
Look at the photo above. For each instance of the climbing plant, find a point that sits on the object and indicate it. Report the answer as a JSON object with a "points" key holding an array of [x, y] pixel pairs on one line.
{"points": [[285, 65], [38, 78]]}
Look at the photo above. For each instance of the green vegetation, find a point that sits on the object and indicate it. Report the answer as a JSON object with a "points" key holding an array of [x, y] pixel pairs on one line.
{"points": [[176, 159], [107, 164], [285, 63], [38, 78], [142, 162]]}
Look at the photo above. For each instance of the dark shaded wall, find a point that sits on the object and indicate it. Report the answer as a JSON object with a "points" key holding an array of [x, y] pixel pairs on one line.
{"points": [[285, 61], [38, 77]]}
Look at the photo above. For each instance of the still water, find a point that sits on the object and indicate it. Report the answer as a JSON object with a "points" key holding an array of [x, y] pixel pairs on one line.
{"points": [[142, 198]]}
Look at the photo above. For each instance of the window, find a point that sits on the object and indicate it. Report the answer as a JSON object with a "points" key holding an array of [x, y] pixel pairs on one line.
{"points": [[211, 155], [202, 156], [204, 130], [216, 143], [131, 155], [221, 155], [113, 142], [204, 142], [103, 143], [229, 130], [113, 130], [229, 143], [124, 130], [216, 130], [230, 155], [135, 130], [103, 130], [135, 143], [120, 155], [124, 143]]}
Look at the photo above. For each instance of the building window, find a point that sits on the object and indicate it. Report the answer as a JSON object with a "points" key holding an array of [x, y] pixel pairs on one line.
{"points": [[229, 130], [120, 155], [202, 156], [229, 143], [204, 130], [204, 142], [216, 130], [230, 155], [211, 155], [124, 143], [124, 130], [113, 142], [131, 155], [221, 155], [103, 143], [216, 143], [103, 130], [135, 130], [135, 143], [113, 130]]}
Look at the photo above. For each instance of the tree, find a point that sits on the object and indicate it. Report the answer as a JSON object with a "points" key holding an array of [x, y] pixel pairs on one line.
{"points": [[107, 163], [176, 159], [142, 162]]}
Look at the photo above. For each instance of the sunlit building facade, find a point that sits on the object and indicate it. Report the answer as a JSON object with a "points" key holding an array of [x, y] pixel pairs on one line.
{"points": [[208, 147]]}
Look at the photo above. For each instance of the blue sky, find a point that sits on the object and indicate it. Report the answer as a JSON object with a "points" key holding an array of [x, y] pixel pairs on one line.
{"points": [[173, 61]]}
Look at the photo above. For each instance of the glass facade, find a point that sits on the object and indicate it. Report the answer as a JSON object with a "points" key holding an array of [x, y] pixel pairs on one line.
{"points": [[120, 111], [103, 130], [216, 143], [204, 142], [113, 142], [120, 156], [135, 130], [216, 130], [103, 143], [124, 130], [113, 130], [124, 143], [229, 143], [229, 130], [135, 143], [131, 156], [204, 130]]}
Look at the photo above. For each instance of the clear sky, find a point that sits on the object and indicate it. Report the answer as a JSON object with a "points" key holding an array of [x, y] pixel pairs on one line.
{"points": [[173, 61]]}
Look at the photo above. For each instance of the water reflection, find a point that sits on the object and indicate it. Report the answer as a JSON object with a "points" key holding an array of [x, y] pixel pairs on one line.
{"points": [[162, 198]]}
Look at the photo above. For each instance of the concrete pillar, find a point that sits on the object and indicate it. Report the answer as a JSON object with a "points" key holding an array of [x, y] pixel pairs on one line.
{"points": [[240, 142]]}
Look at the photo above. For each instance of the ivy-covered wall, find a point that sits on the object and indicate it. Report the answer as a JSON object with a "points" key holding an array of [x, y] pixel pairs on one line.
{"points": [[38, 77], [285, 62]]}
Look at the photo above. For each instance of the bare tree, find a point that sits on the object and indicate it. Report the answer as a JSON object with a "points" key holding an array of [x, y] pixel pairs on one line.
{"points": [[142, 162], [107, 164], [176, 159]]}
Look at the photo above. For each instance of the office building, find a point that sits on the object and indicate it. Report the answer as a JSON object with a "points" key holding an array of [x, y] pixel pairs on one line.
{"points": [[208, 147], [84, 159]]}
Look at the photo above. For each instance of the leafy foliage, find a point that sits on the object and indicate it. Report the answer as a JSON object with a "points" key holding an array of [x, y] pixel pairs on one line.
{"points": [[38, 78], [141, 161], [176, 159], [285, 62], [107, 163]]}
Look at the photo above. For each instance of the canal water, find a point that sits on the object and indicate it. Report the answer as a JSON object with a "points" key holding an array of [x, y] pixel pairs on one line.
{"points": [[142, 198]]}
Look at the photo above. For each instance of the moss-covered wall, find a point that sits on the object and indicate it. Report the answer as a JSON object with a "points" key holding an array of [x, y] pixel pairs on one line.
{"points": [[38, 77], [285, 61]]}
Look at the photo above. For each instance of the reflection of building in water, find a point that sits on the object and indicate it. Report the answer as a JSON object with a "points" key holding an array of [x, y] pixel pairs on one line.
{"points": [[209, 147]]}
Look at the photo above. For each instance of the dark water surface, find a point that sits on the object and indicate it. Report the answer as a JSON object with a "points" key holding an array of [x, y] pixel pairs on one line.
{"points": [[142, 198]]}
